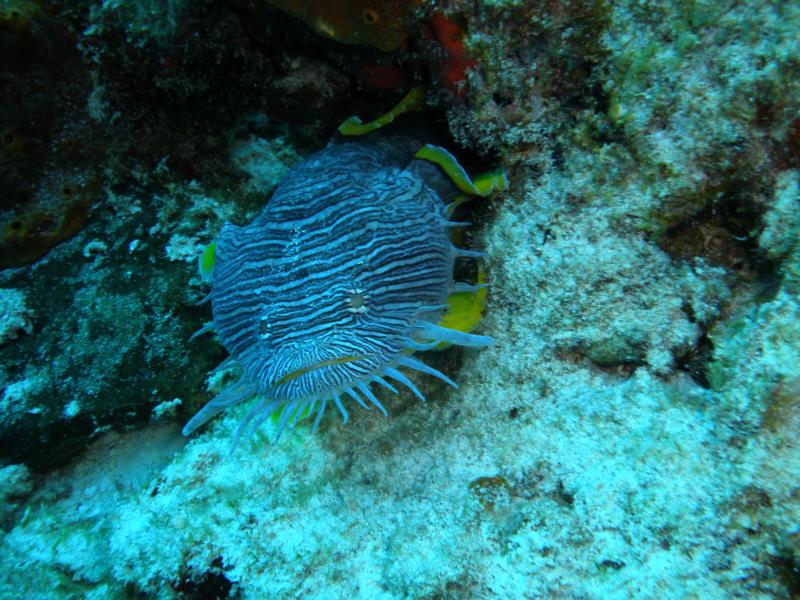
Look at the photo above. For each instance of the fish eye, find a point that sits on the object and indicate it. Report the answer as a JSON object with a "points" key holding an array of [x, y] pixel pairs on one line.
{"points": [[370, 16]]}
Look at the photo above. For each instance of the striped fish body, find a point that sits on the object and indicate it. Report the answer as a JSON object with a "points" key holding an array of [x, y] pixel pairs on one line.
{"points": [[326, 286], [344, 274]]}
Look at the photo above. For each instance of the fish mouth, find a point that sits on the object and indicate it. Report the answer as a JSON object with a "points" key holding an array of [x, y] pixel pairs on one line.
{"points": [[292, 375]]}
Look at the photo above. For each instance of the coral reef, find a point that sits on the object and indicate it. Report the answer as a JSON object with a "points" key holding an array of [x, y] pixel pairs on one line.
{"points": [[632, 433]]}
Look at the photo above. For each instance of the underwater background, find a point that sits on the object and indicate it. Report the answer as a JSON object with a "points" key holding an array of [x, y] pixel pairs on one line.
{"points": [[632, 432]]}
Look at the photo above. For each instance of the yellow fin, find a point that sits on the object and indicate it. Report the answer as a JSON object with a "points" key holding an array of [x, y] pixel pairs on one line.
{"points": [[464, 309], [205, 264], [483, 185], [411, 101]]}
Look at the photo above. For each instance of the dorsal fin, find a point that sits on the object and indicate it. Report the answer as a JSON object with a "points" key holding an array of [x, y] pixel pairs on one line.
{"points": [[483, 185], [411, 101]]}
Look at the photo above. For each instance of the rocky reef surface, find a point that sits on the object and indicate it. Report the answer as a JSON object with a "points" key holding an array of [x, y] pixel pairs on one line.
{"points": [[633, 431]]}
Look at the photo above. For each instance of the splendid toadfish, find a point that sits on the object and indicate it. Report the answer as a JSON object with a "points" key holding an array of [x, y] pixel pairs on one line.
{"points": [[342, 276]]}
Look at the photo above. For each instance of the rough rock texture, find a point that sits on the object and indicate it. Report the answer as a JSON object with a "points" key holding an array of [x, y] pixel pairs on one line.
{"points": [[633, 432], [15, 318]]}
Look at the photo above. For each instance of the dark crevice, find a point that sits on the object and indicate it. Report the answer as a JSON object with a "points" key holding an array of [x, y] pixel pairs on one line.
{"points": [[787, 567], [211, 585], [695, 362]]}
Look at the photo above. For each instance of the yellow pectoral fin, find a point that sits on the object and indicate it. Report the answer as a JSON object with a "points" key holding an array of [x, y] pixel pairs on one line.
{"points": [[464, 309], [353, 126], [205, 264]]}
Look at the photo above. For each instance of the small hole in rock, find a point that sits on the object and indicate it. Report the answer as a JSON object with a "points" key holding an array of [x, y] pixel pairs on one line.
{"points": [[370, 16]]}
